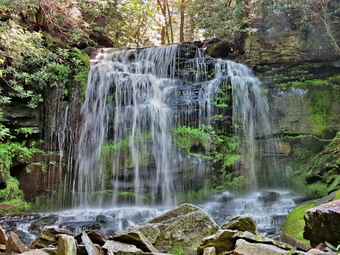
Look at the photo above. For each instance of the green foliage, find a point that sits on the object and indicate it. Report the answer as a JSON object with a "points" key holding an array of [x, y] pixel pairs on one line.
{"points": [[12, 198], [131, 23], [237, 184], [177, 249], [11, 191], [316, 190], [197, 196], [295, 223], [319, 105], [220, 17], [187, 138], [29, 67]]}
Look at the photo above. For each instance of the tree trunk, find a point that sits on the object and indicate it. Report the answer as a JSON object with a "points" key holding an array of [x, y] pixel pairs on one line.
{"points": [[181, 27]]}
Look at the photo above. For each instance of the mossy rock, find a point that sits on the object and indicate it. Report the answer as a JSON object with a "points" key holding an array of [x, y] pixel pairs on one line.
{"points": [[294, 224]]}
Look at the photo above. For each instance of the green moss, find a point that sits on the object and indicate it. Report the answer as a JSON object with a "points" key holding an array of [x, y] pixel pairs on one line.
{"points": [[337, 196], [295, 223], [14, 206], [177, 249], [12, 198], [319, 104]]}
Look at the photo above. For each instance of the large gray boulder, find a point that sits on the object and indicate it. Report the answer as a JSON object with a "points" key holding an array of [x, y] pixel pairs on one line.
{"points": [[241, 223], [322, 224], [223, 241], [186, 226], [245, 248]]}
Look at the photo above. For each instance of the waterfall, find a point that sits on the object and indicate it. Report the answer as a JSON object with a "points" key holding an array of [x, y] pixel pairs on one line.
{"points": [[134, 99]]}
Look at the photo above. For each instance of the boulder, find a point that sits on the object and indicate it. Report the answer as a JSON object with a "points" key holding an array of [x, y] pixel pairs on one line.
{"points": [[297, 244], [245, 248], [209, 251], [14, 244], [89, 245], [3, 236], [322, 224], [48, 236], [136, 238], [261, 239], [186, 225], [95, 236], [241, 223], [67, 245], [36, 252], [50, 250], [115, 247], [221, 49], [268, 197], [222, 240]]}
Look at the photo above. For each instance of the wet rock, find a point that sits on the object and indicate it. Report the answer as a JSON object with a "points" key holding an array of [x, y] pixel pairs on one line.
{"points": [[50, 250], [67, 245], [222, 240], [269, 197], [89, 245], [95, 236], [320, 252], [14, 244], [220, 49], [3, 236], [322, 224], [137, 239], [36, 252], [186, 225], [48, 236], [261, 239], [115, 247], [294, 242], [37, 225], [241, 223], [209, 251], [245, 248]]}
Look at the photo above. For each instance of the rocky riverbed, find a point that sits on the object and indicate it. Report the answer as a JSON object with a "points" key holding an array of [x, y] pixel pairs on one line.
{"points": [[187, 230]]}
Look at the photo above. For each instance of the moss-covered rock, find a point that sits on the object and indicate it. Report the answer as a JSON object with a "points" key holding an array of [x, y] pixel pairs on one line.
{"points": [[294, 224], [241, 223], [186, 225]]}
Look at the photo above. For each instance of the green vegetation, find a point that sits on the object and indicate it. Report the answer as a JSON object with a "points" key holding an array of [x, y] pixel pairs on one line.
{"points": [[177, 249], [188, 138], [323, 167], [11, 198], [295, 223]]}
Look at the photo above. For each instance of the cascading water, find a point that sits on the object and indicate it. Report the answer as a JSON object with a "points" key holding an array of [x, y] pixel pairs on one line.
{"points": [[127, 154], [133, 101]]}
